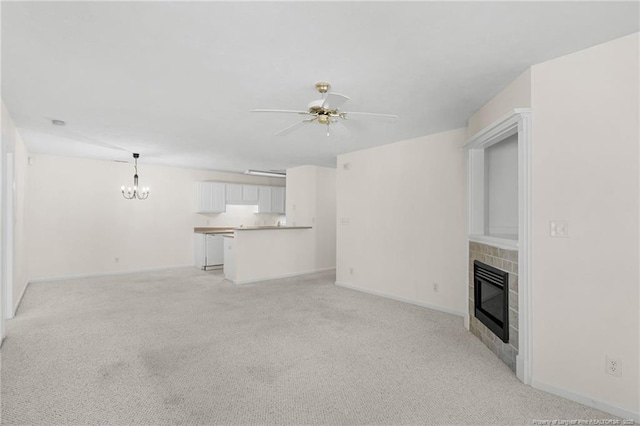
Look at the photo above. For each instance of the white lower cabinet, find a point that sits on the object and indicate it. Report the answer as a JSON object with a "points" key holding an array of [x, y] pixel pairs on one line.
{"points": [[209, 250]]}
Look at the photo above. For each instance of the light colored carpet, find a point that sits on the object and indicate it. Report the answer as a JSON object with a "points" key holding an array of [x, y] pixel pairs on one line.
{"points": [[187, 347]]}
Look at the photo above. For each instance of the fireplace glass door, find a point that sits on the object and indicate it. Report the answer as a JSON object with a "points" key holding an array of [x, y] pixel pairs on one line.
{"points": [[491, 294]]}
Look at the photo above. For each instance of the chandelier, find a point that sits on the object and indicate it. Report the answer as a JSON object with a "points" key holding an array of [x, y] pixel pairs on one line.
{"points": [[135, 192]]}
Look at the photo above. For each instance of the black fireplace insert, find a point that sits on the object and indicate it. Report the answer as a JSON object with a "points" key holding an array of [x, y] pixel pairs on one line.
{"points": [[491, 298]]}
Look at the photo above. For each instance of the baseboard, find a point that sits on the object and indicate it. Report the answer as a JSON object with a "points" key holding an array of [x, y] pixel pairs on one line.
{"points": [[589, 402], [402, 299], [520, 369], [277, 277], [106, 274], [17, 306]]}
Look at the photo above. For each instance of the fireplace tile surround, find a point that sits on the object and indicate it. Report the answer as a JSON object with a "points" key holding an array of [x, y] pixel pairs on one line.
{"points": [[506, 260]]}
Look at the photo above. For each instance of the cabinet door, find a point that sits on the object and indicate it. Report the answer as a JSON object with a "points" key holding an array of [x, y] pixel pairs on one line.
{"points": [[234, 193], [277, 199], [250, 194], [210, 197], [264, 199]]}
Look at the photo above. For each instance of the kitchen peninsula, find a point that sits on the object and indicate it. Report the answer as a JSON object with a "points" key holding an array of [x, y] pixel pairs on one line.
{"points": [[258, 253]]}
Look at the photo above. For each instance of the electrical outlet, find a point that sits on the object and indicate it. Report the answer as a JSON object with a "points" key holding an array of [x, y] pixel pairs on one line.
{"points": [[117, 260], [614, 366], [436, 287]]}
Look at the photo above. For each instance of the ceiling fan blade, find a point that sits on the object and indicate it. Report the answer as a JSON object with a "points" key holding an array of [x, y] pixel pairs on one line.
{"points": [[334, 100], [280, 110], [293, 126], [372, 114]]}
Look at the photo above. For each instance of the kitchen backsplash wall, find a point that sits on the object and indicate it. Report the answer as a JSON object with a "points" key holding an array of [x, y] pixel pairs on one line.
{"points": [[237, 215]]}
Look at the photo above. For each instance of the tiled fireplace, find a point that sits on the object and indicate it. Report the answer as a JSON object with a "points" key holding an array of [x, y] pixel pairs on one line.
{"points": [[505, 260]]}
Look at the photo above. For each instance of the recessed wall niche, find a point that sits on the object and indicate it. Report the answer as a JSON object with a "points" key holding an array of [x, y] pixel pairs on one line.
{"points": [[501, 189], [493, 190]]}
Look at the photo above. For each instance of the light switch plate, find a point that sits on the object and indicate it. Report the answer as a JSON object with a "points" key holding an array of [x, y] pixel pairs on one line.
{"points": [[559, 229]]}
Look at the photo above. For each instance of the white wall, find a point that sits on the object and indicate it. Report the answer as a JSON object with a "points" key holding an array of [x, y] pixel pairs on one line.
{"points": [[585, 151], [311, 201], [516, 94], [501, 168], [79, 221], [325, 223], [273, 253], [402, 220]]}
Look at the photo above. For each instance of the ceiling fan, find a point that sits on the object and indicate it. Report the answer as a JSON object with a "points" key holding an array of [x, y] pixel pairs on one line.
{"points": [[324, 111]]}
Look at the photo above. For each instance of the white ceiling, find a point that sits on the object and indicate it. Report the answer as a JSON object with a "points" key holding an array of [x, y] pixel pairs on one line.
{"points": [[175, 81]]}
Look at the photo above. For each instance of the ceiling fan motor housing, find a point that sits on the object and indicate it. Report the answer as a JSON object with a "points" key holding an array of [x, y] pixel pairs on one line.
{"points": [[323, 87]]}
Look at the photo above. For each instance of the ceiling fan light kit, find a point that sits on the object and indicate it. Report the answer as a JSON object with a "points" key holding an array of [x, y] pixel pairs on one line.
{"points": [[324, 111]]}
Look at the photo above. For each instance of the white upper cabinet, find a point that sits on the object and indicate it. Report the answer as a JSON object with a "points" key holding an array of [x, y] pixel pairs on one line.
{"points": [[213, 197], [242, 194], [271, 199], [264, 199], [250, 194], [234, 193], [277, 199], [210, 197]]}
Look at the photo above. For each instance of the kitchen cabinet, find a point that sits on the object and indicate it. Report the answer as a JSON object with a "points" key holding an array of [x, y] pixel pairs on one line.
{"points": [[234, 193], [250, 194], [210, 197], [213, 197], [277, 199], [264, 199], [241, 194], [209, 250], [271, 199]]}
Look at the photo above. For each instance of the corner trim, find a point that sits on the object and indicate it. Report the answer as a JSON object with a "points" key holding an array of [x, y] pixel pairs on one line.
{"points": [[585, 400], [276, 277], [499, 129], [402, 299], [106, 274]]}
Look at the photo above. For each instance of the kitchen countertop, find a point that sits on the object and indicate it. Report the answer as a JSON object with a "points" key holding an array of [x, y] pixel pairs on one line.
{"points": [[214, 230], [230, 230], [263, 227]]}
